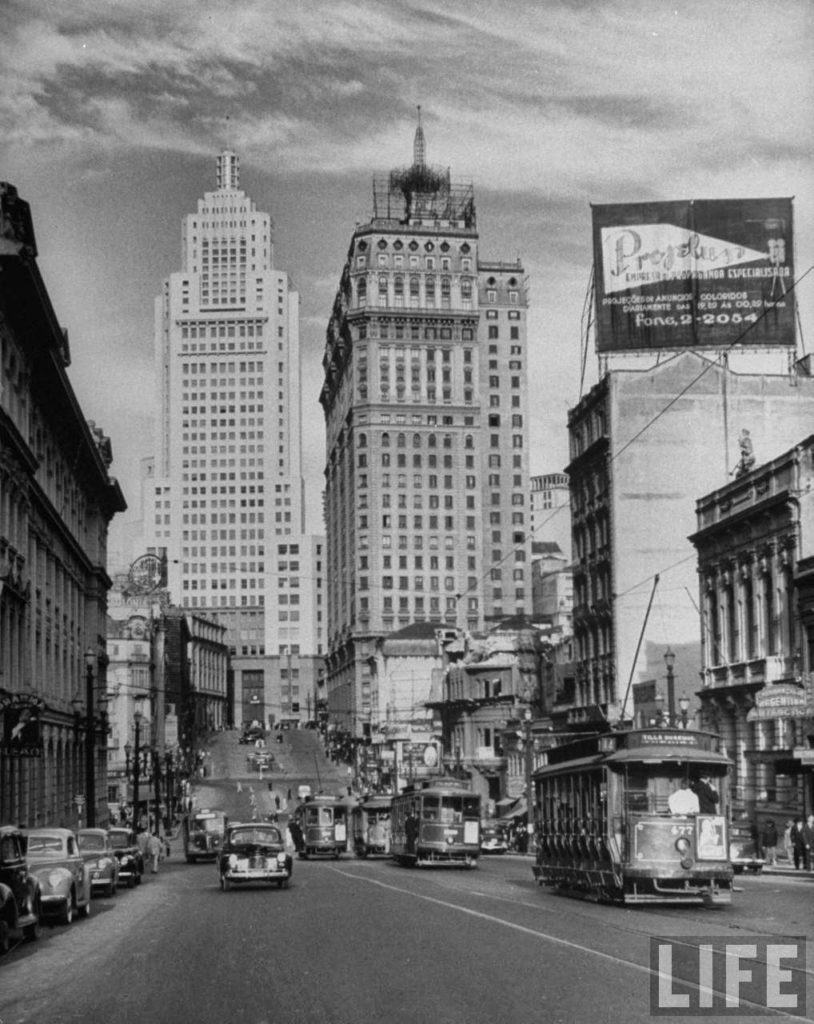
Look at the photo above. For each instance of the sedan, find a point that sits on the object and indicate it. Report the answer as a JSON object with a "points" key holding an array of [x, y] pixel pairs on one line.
{"points": [[64, 880], [254, 852], [94, 845], [130, 858]]}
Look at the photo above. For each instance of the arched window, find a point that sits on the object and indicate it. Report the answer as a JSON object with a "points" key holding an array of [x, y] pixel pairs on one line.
{"points": [[416, 440], [385, 440], [401, 441]]}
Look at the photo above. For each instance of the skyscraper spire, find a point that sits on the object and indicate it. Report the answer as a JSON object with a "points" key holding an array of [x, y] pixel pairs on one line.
{"points": [[228, 170], [419, 147]]}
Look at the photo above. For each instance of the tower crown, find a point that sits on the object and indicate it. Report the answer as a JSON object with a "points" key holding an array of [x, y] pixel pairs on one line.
{"points": [[228, 170]]}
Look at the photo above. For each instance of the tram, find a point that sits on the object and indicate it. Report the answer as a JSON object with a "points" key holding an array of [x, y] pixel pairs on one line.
{"points": [[604, 828], [323, 826], [203, 832], [370, 826], [436, 821]]}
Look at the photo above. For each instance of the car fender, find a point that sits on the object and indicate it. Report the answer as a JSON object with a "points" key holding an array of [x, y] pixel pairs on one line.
{"points": [[8, 905]]}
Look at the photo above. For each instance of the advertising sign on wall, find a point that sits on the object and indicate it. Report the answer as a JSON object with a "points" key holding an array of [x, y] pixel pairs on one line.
{"points": [[695, 273]]}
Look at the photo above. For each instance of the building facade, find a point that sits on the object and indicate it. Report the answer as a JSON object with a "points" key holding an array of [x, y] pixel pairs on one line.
{"points": [[644, 444], [755, 540], [224, 494], [551, 511], [425, 403], [57, 499]]}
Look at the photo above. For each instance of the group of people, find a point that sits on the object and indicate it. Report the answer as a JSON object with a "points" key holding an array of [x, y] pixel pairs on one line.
{"points": [[798, 841], [152, 848]]}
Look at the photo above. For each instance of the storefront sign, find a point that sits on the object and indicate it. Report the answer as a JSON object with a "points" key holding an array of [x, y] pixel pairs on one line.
{"points": [[783, 700]]}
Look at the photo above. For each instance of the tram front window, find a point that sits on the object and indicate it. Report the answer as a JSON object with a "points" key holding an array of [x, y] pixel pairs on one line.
{"points": [[648, 788]]}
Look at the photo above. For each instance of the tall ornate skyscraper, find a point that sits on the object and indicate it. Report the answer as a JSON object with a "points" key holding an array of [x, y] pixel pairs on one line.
{"points": [[225, 493], [425, 397]]}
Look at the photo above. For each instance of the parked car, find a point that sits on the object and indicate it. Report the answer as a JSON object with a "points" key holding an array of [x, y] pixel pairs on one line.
{"points": [[130, 858], [492, 838], [253, 852], [63, 877], [19, 892], [94, 845], [742, 851]]}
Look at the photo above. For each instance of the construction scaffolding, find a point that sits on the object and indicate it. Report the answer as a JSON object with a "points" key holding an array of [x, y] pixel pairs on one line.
{"points": [[423, 193]]}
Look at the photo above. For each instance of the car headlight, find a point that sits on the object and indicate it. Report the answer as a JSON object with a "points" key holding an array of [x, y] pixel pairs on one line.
{"points": [[281, 859], [232, 860]]}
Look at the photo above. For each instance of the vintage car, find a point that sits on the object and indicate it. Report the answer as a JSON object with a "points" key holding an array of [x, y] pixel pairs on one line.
{"points": [[492, 838], [253, 852], [94, 845], [743, 854], [19, 891], [127, 852], [63, 877]]}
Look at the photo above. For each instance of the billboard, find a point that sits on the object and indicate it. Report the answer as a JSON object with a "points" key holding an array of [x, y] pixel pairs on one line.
{"points": [[695, 273], [21, 724]]}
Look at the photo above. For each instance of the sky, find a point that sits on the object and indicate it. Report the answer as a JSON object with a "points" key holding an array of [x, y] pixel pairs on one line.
{"points": [[112, 113]]}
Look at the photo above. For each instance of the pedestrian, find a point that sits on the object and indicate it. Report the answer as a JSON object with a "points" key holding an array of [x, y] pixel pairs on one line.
{"points": [[155, 850], [787, 847], [808, 840], [769, 839], [798, 845], [142, 839]]}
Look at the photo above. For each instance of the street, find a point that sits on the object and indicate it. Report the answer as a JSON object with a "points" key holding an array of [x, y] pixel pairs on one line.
{"points": [[357, 941]]}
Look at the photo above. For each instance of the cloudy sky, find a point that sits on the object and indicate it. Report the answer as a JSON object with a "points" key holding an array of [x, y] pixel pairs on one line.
{"points": [[112, 113]]}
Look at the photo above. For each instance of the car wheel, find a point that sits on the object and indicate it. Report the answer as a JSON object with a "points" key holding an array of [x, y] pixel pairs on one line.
{"points": [[66, 917], [84, 910], [137, 878], [32, 931], [225, 884]]}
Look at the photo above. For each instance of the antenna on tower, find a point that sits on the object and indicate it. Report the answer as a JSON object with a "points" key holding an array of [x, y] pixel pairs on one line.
{"points": [[419, 146]]}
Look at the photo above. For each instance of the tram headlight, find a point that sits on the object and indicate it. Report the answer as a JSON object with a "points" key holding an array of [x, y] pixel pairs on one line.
{"points": [[450, 840], [684, 847]]}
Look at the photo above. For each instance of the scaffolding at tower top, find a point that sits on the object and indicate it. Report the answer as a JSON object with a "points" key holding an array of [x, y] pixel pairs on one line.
{"points": [[422, 193]]}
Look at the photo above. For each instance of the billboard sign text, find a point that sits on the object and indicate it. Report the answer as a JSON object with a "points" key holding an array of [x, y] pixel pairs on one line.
{"points": [[696, 273]]}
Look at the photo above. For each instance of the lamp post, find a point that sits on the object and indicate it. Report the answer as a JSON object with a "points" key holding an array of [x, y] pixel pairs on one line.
{"points": [[90, 737], [137, 716], [529, 752], [157, 788], [669, 661], [684, 707]]}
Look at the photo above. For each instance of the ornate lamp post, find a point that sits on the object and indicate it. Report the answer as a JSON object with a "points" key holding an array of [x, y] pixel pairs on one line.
{"points": [[529, 752], [137, 717], [90, 738], [684, 707], [669, 661]]}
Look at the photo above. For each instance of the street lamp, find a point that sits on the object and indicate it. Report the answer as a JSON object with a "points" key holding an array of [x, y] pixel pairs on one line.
{"points": [[137, 717], [529, 752], [669, 661], [659, 709], [90, 737], [684, 707]]}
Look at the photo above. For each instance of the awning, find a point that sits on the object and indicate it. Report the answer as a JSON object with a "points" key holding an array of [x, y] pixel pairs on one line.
{"points": [[507, 802], [518, 810]]}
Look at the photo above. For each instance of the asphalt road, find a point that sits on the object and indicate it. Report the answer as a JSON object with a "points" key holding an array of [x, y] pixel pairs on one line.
{"points": [[366, 941]]}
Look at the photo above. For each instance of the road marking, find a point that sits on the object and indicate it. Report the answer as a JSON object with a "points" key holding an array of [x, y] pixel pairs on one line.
{"points": [[536, 933]]}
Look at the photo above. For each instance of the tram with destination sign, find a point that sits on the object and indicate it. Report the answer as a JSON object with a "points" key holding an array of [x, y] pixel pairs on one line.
{"points": [[436, 821], [321, 826], [635, 816], [370, 823]]}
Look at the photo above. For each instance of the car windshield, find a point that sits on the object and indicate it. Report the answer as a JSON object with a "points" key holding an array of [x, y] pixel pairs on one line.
{"points": [[50, 846], [120, 840], [255, 836], [88, 843]]}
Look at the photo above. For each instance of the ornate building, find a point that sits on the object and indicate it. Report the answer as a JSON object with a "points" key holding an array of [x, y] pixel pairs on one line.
{"points": [[755, 542], [56, 502], [425, 402]]}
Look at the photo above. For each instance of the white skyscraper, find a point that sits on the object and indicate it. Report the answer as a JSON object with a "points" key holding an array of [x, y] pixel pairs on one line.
{"points": [[224, 494]]}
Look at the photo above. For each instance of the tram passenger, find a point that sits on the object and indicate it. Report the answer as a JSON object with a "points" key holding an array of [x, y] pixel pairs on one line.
{"points": [[707, 795], [683, 800]]}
